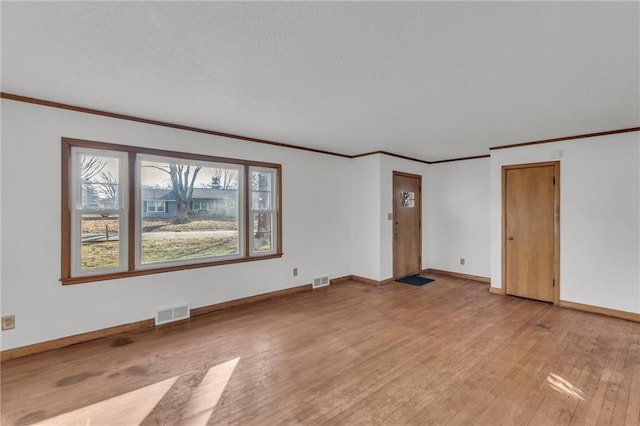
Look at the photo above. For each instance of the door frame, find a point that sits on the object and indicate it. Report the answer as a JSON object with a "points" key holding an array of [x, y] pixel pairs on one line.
{"points": [[420, 224], [556, 223]]}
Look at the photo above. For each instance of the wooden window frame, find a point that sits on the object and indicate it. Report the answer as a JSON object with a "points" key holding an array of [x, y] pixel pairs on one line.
{"points": [[133, 211]]}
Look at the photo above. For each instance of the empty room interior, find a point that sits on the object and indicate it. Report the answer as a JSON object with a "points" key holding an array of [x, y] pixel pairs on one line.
{"points": [[320, 213]]}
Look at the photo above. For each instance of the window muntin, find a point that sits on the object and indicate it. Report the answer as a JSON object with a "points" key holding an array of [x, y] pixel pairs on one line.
{"points": [[183, 235], [98, 206]]}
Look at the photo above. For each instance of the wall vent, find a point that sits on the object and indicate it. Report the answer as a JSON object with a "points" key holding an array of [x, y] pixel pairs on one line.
{"points": [[172, 313], [320, 282]]}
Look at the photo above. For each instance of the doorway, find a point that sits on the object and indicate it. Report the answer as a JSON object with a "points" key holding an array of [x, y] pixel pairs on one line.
{"points": [[407, 224], [530, 230]]}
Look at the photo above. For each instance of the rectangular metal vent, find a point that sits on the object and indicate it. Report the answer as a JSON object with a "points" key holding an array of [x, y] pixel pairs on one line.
{"points": [[172, 313], [320, 281]]}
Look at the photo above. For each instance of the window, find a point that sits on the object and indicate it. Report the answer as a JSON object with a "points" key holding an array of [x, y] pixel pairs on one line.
{"points": [[155, 206], [184, 237], [408, 199], [212, 205], [97, 210], [200, 205], [130, 211], [262, 209]]}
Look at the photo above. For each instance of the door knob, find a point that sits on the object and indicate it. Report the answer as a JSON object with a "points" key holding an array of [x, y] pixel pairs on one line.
{"points": [[509, 238]]}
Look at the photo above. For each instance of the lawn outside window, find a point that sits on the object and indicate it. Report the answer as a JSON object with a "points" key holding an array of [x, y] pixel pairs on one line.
{"points": [[131, 211]]}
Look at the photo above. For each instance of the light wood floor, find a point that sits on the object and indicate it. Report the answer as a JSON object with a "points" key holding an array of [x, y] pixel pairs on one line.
{"points": [[445, 353]]}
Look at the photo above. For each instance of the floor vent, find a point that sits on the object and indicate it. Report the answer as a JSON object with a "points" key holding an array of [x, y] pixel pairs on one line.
{"points": [[320, 282], [172, 313]]}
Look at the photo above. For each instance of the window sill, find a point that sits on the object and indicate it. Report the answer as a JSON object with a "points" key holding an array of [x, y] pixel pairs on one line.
{"points": [[139, 272]]}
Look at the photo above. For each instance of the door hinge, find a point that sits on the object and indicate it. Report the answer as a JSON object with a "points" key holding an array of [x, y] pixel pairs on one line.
{"points": [[554, 180], [554, 282], [420, 223]]}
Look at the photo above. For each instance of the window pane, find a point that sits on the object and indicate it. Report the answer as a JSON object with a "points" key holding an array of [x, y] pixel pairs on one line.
{"points": [[261, 180], [408, 199], [191, 211], [100, 241], [99, 186], [260, 200], [262, 209], [262, 231]]}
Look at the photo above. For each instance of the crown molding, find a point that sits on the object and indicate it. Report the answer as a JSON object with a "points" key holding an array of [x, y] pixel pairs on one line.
{"points": [[567, 138], [475, 157], [68, 107], [92, 111]]}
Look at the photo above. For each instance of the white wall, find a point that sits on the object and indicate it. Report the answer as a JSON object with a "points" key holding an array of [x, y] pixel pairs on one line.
{"points": [[316, 216], [458, 216], [599, 217], [1, 221], [372, 200], [455, 215], [365, 206]]}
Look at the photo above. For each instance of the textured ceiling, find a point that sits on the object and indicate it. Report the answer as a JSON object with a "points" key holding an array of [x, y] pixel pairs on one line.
{"points": [[428, 80]]}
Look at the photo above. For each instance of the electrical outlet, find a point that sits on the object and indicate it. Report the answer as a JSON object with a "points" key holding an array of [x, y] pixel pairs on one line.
{"points": [[295, 272], [462, 260], [8, 322], [389, 216]]}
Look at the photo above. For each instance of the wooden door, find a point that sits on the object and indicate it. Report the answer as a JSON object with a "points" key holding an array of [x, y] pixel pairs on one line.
{"points": [[530, 230], [407, 224]]}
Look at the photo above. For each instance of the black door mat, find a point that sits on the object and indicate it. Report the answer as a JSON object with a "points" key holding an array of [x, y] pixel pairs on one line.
{"points": [[415, 280]]}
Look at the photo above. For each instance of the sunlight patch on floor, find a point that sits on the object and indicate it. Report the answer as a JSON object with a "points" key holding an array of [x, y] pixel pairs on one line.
{"points": [[130, 408], [206, 396], [133, 407], [561, 385]]}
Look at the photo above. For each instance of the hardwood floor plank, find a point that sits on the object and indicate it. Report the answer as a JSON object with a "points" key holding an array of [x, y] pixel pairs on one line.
{"points": [[633, 409], [445, 353], [528, 378]]}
